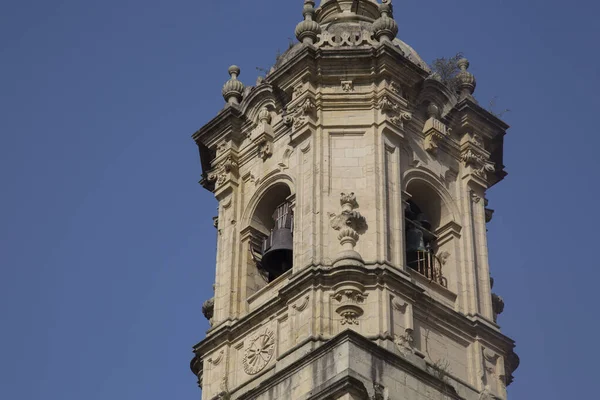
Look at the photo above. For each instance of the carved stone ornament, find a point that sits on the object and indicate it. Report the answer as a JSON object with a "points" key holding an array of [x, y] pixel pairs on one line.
{"points": [[395, 114], [487, 394], [479, 164], [435, 131], [208, 309], [405, 342], [223, 171], [378, 392], [396, 88], [224, 390], [263, 135], [349, 222], [346, 38], [347, 86], [350, 301], [259, 352], [301, 306], [497, 302], [265, 149], [298, 115]]}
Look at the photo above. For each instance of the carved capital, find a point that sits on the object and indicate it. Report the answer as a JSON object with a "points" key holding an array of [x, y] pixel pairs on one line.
{"points": [[299, 115], [224, 170], [478, 163], [393, 111]]}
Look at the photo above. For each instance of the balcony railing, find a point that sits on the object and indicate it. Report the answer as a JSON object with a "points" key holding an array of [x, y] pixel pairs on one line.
{"points": [[427, 264]]}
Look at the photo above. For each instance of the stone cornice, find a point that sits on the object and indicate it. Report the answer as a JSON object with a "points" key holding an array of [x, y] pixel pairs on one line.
{"points": [[315, 277], [225, 122]]}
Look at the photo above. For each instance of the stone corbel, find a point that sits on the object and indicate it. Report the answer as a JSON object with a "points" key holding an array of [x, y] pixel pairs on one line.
{"points": [[263, 135], [349, 303], [435, 131], [197, 367]]}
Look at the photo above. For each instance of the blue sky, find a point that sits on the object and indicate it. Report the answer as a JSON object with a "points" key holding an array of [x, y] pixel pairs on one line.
{"points": [[106, 240]]}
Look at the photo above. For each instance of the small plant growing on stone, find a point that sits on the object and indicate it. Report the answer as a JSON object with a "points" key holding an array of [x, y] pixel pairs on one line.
{"points": [[446, 70], [492, 108]]}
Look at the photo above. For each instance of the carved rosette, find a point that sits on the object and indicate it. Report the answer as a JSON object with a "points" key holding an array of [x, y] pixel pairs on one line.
{"points": [[395, 114], [350, 224], [259, 352], [349, 302]]}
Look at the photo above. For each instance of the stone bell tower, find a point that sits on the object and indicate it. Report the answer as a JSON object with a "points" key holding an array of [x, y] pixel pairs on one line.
{"points": [[352, 257]]}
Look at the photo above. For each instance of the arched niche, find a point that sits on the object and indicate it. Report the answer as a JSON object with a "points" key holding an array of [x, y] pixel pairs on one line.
{"points": [[431, 196], [262, 217], [258, 223], [430, 228]]}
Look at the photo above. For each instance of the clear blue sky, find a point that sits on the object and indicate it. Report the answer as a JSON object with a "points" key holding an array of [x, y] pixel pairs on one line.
{"points": [[106, 240]]}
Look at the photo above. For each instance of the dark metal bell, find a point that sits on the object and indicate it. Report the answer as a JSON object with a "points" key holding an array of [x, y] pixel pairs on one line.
{"points": [[422, 220], [414, 239], [278, 247]]}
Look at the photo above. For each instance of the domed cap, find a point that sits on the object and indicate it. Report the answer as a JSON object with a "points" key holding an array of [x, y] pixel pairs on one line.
{"points": [[385, 28], [466, 80], [307, 30], [233, 88], [336, 11]]}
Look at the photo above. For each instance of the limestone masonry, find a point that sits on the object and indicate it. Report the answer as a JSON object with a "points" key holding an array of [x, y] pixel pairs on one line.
{"points": [[352, 254]]}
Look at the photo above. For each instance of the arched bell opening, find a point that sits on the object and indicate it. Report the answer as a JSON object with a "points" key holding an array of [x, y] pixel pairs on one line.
{"points": [[274, 219], [422, 216]]}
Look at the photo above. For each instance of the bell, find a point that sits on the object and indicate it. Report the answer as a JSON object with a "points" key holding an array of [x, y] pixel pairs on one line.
{"points": [[422, 220], [414, 239], [278, 247]]}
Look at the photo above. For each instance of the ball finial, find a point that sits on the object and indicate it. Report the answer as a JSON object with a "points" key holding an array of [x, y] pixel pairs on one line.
{"points": [[308, 30], [466, 80], [233, 88], [385, 27]]}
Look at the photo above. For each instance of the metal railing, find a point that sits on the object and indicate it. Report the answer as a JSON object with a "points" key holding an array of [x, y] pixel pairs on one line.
{"points": [[427, 264]]}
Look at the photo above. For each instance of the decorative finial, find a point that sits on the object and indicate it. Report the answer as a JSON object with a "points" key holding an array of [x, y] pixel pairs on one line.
{"points": [[308, 30], [385, 28], [264, 116], [467, 82], [351, 225], [233, 88], [433, 111]]}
